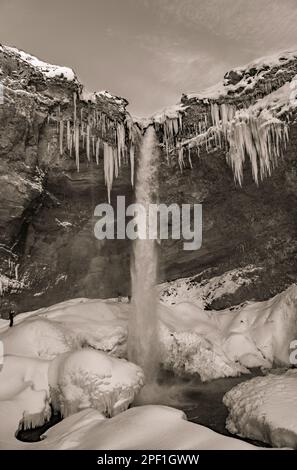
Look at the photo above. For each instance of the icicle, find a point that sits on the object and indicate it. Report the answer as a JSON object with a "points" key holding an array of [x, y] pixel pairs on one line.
{"points": [[132, 162], [16, 271], [76, 144], [120, 134], [71, 142], [108, 168], [93, 145], [116, 162], [97, 150], [189, 157], [181, 158], [259, 139], [88, 142], [74, 107], [68, 134], [61, 136]]}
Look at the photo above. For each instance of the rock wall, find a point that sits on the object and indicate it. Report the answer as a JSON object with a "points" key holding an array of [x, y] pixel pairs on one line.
{"points": [[48, 251]]}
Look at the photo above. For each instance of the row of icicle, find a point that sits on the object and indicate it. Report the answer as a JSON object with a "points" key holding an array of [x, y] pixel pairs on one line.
{"points": [[89, 131], [242, 133]]}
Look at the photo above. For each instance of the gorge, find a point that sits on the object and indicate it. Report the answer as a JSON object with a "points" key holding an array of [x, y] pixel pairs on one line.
{"points": [[223, 310]]}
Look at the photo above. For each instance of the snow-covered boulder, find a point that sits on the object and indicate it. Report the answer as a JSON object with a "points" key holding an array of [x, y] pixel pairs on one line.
{"points": [[265, 409], [92, 379], [71, 382]]}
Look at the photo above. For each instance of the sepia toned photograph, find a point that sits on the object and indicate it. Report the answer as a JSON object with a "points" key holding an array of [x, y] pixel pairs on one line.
{"points": [[148, 231]]}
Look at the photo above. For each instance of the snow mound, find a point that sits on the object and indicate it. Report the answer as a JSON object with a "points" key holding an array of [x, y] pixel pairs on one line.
{"points": [[18, 373], [191, 353], [146, 427], [91, 379], [265, 408], [71, 382], [209, 343], [48, 70], [68, 326]]}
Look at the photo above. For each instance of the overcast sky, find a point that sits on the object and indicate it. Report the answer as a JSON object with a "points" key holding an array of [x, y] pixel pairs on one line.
{"points": [[149, 51]]}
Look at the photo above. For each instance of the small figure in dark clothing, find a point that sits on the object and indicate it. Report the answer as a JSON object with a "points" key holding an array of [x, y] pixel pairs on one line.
{"points": [[11, 317]]}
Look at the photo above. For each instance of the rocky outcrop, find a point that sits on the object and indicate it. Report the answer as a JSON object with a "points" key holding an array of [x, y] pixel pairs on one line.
{"points": [[252, 223], [48, 250], [46, 217]]}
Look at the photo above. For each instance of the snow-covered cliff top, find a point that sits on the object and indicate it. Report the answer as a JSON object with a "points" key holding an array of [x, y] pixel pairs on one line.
{"points": [[244, 78], [48, 70]]}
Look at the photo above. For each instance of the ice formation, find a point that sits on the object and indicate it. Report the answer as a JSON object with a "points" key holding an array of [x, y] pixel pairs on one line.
{"points": [[255, 132], [73, 381], [92, 379], [265, 409], [82, 132], [86, 131]]}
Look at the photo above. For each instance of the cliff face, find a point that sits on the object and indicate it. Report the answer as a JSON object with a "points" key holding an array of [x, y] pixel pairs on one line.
{"points": [[237, 153], [48, 249]]}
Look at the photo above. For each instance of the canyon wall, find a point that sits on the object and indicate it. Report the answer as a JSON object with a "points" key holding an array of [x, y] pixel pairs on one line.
{"points": [[48, 251]]}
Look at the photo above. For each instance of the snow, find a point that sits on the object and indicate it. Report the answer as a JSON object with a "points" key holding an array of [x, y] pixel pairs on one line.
{"points": [[91, 96], [63, 223], [10, 284], [48, 70], [160, 117], [43, 356], [148, 427], [70, 383], [193, 340], [92, 379], [205, 292], [265, 408], [256, 132], [222, 88]]}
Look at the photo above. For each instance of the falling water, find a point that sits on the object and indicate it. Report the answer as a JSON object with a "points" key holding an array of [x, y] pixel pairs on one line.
{"points": [[143, 324]]}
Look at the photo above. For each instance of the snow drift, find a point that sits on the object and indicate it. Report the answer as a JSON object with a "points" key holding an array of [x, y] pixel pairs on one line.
{"points": [[209, 343], [66, 355], [265, 408], [145, 427]]}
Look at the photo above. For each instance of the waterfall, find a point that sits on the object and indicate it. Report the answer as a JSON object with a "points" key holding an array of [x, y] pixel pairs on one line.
{"points": [[143, 323]]}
